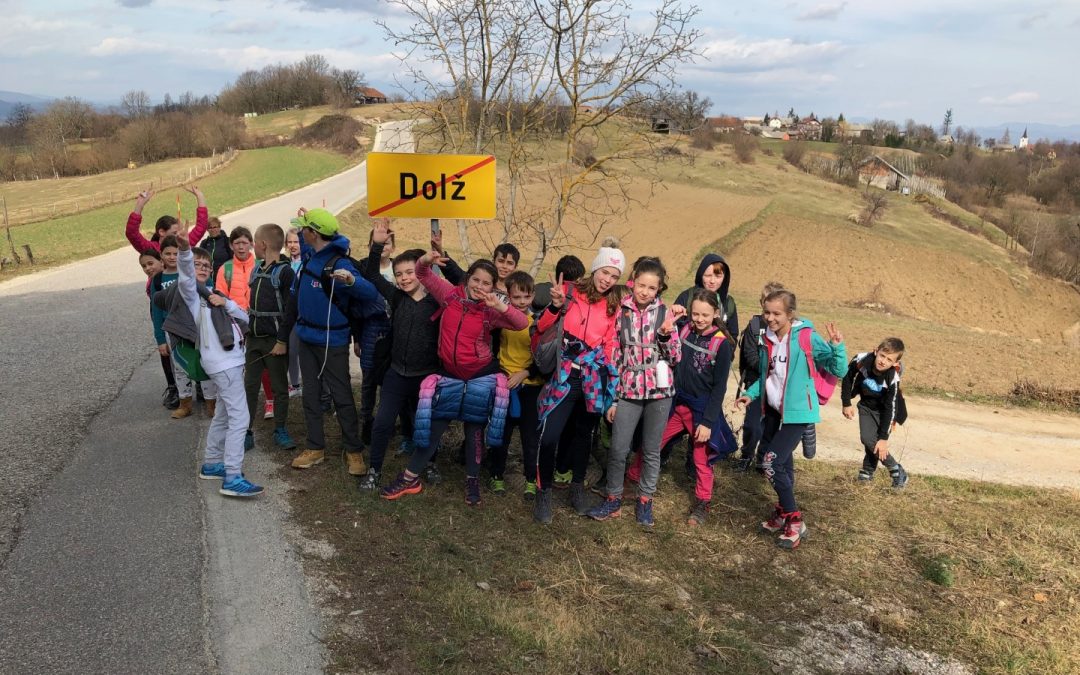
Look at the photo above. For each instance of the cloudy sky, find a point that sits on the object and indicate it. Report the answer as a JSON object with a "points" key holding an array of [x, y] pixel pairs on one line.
{"points": [[990, 60]]}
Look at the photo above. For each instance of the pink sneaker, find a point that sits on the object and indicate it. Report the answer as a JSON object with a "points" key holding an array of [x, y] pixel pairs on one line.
{"points": [[268, 413]]}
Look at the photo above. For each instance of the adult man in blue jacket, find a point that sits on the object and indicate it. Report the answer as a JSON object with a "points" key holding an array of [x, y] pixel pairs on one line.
{"points": [[323, 331]]}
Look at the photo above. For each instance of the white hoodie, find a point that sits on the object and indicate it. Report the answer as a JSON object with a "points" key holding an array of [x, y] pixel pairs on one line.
{"points": [[214, 357]]}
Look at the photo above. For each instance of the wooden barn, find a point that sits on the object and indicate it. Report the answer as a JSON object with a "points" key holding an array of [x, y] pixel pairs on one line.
{"points": [[369, 96], [881, 174]]}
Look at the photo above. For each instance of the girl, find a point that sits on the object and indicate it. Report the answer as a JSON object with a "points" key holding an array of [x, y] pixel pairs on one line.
{"points": [[150, 262], [292, 249], [469, 386], [165, 225], [646, 352], [582, 388], [789, 400], [714, 275]]}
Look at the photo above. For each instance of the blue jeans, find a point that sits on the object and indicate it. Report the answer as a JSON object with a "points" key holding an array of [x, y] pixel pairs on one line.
{"points": [[398, 394]]}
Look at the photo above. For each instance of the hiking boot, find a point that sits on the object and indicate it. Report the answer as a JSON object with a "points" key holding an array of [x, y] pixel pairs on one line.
{"points": [[643, 511], [183, 409], [212, 471], [210, 406], [268, 410], [699, 513], [170, 399], [371, 481], [776, 523], [308, 459], [899, 477], [431, 474], [562, 480], [865, 476], [794, 532], [356, 464], [239, 486], [579, 499], [402, 485], [406, 447], [542, 507], [609, 508], [530, 491], [472, 491], [249, 440], [497, 486], [283, 440]]}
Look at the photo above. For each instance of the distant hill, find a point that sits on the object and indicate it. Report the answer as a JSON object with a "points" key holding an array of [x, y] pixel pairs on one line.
{"points": [[1035, 130], [8, 99]]}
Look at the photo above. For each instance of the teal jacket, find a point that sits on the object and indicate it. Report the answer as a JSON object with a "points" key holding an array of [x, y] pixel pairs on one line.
{"points": [[800, 405]]}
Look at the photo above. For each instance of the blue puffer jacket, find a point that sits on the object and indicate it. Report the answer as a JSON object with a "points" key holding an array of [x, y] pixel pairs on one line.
{"points": [[481, 400], [312, 324]]}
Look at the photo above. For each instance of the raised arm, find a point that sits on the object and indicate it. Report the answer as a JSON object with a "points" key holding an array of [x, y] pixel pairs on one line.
{"points": [[440, 289], [131, 231], [380, 234], [202, 217]]}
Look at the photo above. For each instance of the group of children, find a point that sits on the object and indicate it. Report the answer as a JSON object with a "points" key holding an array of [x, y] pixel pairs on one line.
{"points": [[493, 350]]}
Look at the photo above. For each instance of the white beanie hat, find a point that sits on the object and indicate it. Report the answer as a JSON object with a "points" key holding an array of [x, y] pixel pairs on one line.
{"points": [[609, 256]]}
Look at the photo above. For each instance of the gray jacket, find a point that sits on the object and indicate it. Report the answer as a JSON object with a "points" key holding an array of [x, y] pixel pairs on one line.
{"points": [[180, 323]]}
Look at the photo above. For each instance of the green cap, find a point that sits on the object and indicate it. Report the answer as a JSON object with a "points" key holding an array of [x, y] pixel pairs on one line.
{"points": [[320, 220]]}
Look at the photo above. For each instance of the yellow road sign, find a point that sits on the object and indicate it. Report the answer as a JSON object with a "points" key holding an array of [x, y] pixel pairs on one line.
{"points": [[409, 185]]}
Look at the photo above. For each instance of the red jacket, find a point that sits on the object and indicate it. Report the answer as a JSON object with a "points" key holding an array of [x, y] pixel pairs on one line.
{"points": [[141, 243], [465, 331], [589, 323]]}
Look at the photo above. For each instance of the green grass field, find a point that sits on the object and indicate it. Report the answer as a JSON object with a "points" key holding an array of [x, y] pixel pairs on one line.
{"points": [[252, 177], [286, 122]]}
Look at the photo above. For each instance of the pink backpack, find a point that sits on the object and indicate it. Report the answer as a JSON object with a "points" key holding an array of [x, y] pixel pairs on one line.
{"points": [[824, 381]]}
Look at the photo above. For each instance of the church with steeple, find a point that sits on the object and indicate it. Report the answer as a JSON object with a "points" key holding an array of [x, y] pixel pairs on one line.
{"points": [[1023, 140]]}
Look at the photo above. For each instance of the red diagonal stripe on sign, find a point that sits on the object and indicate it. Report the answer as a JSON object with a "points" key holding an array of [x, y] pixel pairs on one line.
{"points": [[459, 174]]}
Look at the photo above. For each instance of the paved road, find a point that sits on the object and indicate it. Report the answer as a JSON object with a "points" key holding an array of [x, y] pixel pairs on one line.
{"points": [[113, 557]]}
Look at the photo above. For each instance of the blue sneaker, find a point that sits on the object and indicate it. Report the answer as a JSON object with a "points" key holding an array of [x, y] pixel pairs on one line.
{"points": [[240, 487], [249, 440], [643, 511], [609, 508], [283, 440], [212, 471]]}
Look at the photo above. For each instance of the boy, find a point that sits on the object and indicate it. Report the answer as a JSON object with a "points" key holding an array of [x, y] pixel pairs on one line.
{"points": [[322, 330], [505, 257], [268, 331], [213, 323], [161, 281], [570, 268], [875, 378], [524, 382], [217, 243]]}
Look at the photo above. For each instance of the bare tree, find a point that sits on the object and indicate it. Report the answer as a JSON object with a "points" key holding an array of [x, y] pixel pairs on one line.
{"points": [[874, 205], [136, 103]]}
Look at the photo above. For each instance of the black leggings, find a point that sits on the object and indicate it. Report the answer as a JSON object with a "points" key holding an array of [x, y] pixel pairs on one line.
{"points": [[166, 365], [570, 413], [778, 442]]}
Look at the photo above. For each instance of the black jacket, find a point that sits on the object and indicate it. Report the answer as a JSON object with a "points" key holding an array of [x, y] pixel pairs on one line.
{"points": [[749, 358], [697, 379], [220, 250], [879, 392], [414, 347], [728, 311]]}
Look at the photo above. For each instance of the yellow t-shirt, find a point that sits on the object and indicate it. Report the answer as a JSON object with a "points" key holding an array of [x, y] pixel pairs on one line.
{"points": [[515, 352]]}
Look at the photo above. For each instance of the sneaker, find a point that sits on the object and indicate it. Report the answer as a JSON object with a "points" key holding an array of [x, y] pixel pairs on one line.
{"points": [[794, 532], [283, 440], [472, 491], [356, 463], [743, 465], [899, 477], [268, 410], [865, 476], [643, 511], [249, 440], [212, 471], [402, 485], [171, 398], [371, 481], [498, 486], [562, 480], [406, 447], [699, 513], [579, 499], [609, 508], [776, 523], [542, 507], [431, 474], [295, 391], [530, 491], [240, 487], [599, 487], [308, 459]]}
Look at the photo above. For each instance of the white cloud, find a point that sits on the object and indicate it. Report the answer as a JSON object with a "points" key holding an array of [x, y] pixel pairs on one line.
{"points": [[823, 12], [1016, 98], [243, 26], [738, 55], [1029, 21], [119, 46]]}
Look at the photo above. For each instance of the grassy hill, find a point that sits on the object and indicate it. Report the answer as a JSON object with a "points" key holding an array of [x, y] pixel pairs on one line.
{"points": [[286, 122]]}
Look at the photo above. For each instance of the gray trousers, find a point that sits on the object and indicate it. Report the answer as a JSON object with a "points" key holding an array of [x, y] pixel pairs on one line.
{"points": [[225, 439], [335, 377], [654, 417], [868, 426]]}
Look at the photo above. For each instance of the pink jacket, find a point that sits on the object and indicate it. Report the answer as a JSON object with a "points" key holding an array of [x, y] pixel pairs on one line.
{"points": [[638, 349], [141, 243]]}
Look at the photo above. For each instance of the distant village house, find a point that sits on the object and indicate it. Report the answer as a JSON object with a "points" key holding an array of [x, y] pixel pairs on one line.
{"points": [[369, 96]]}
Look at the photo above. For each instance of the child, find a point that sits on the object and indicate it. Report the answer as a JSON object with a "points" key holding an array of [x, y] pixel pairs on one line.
{"points": [[570, 268], [714, 275], [217, 243], [375, 329], [214, 324], [506, 258], [235, 276], [524, 382], [169, 249], [470, 387], [292, 246], [150, 262], [748, 374], [268, 331], [414, 346], [165, 225], [582, 388], [646, 352], [875, 378], [789, 400]]}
